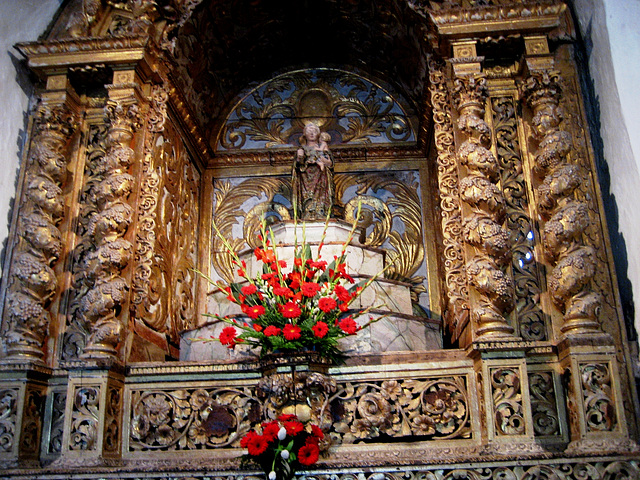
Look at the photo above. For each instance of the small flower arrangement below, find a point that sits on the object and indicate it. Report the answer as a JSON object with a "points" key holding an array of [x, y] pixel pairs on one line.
{"points": [[283, 446], [293, 308]]}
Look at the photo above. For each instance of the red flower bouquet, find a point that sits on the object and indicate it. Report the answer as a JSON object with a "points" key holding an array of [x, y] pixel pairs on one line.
{"points": [[283, 446], [291, 308]]}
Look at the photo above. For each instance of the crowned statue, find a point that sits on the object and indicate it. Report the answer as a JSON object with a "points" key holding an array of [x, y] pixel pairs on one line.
{"points": [[312, 176]]}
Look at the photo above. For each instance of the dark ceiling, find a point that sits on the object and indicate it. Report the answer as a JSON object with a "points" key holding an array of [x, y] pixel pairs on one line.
{"points": [[226, 47]]}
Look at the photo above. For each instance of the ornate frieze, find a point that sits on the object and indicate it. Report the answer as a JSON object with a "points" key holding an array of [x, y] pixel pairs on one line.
{"points": [[33, 282], [565, 215], [488, 242]]}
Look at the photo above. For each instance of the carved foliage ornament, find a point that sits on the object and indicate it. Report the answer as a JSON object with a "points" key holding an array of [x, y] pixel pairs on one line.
{"points": [[33, 281], [457, 312], [348, 107]]}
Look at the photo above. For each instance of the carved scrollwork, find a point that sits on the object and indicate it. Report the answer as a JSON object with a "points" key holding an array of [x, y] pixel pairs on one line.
{"points": [[566, 216], [531, 320], [8, 418], [33, 282], [457, 311], [544, 409], [85, 420], [599, 404], [434, 408], [189, 419], [489, 245], [507, 401]]}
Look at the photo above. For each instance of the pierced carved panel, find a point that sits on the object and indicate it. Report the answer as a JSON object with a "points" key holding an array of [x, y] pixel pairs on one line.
{"points": [[8, 419], [168, 214], [85, 419], [531, 321], [506, 391], [597, 397], [457, 312], [544, 408], [346, 106]]}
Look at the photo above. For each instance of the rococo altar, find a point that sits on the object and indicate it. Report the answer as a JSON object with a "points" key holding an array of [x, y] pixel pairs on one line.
{"points": [[449, 137]]}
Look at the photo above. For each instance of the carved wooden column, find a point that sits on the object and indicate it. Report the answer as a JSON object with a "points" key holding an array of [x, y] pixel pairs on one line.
{"points": [[32, 280], [483, 210], [102, 305], [587, 354]]}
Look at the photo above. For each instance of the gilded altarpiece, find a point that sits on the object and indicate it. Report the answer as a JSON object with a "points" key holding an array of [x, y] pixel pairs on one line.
{"points": [[470, 159]]}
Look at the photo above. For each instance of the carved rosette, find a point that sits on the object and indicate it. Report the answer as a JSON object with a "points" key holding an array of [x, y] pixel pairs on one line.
{"points": [[107, 289], [457, 312], [566, 217], [33, 282], [488, 241]]}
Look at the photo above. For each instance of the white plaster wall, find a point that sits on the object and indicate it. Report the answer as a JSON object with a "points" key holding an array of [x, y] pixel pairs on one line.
{"points": [[611, 29], [20, 21]]}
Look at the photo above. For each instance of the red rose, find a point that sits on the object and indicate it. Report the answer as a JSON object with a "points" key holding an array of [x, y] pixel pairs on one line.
{"points": [[326, 304], [291, 332], [293, 427], [290, 310], [320, 329], [255, 311], [228, 336], [309, 289], [249, 289], [348, 325], [271, 331], [308, 454], [257, 445]]}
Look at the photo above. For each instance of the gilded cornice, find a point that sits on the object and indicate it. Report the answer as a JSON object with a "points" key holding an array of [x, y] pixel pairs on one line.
{"points": [[56, 54]]}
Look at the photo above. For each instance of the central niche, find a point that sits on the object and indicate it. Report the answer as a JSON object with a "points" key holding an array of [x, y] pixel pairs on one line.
{"points": [[355, 114]]}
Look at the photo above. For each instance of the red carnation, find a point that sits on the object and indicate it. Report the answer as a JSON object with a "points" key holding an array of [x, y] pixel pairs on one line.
{"points": [[320, 329], [228, 336], [291, 332], [309, 289], [290, 310], [293, 427], [257, 445], [249, 289], [254, 311], [348, 325], [271, 331], [245, 440], [326, 304], [308, 454]]}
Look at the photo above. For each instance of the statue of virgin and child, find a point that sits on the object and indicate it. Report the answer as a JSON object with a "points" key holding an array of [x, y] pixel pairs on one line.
{"points": [[312, 177]]}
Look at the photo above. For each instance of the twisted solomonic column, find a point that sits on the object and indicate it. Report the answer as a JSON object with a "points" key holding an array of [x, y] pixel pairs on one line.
{"points": [[485, 213], [566, 217], [33, 282], [108, 290]]}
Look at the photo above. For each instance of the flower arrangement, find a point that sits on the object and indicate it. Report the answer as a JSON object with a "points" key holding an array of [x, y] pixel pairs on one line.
{"points": [[293, 308], [283, 446]]}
